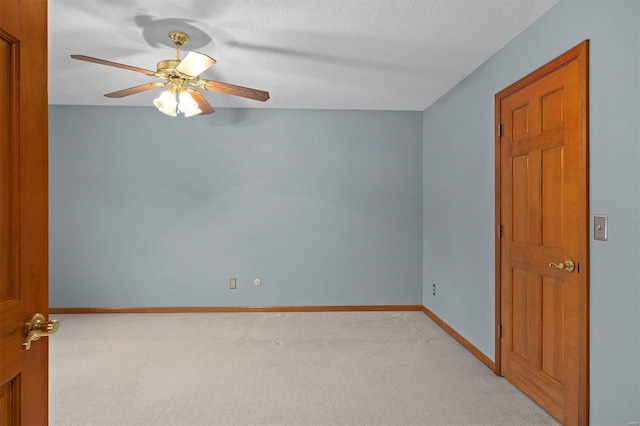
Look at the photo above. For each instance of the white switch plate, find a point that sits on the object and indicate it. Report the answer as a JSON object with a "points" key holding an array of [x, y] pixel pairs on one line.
{"points": [[600, 227], [232, 283]]}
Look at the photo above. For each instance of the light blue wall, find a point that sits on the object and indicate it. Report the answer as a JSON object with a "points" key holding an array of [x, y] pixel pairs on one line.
{"points": [[147, 210], [458, 187], [327, 207]]}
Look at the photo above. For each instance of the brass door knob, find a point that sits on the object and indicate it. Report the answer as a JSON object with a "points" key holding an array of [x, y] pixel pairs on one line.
{"points": [[38, 327], [567, 265]]}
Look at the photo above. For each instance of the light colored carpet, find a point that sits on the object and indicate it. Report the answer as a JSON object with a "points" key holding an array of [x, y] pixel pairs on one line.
{"points": [[337, 368]]}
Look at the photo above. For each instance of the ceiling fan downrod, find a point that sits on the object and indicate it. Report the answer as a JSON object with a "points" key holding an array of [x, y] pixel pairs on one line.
{"points": [[178, 38]]}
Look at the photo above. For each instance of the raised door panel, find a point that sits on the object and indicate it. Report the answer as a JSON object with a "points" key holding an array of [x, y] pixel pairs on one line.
{"points": [[520, 318], [552, 342], [520, 196], [10, 402], [11, 305], [552, 197]]}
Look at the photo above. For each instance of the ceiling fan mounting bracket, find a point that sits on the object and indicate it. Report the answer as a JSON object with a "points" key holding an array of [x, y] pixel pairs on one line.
{"points": [[178, 38]]}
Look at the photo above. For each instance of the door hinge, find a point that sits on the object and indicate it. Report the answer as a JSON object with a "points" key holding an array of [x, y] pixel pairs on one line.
{"points": [[500, 231], [500, 130], [500, 331]]}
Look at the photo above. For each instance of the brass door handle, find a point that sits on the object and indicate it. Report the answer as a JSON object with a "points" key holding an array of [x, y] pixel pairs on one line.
{"points": [[38, 327], [568, 265]]}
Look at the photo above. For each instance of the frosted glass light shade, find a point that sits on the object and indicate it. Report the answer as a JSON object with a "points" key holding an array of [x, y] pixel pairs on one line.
{"points": [[187, 104], [166, 103]]}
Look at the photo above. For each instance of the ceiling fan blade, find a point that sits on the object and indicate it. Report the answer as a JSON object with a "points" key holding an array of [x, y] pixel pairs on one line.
{"points": [[112, 64], [194, 63], [133, 90], [204, 106], [231, 89]]}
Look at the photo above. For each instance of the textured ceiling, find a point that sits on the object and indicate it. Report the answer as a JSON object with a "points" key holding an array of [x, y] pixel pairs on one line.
{"points": [[308, 54]]}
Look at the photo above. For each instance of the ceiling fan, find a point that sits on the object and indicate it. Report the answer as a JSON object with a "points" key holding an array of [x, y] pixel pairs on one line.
{"points": [[181, 76]]}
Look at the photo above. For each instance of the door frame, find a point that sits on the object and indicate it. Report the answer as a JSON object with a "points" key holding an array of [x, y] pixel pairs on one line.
{"points": [[578, 53]]}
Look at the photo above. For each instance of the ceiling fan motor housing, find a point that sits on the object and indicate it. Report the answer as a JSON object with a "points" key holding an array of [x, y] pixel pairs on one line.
{"points": [[167, 69], [168, 66]]}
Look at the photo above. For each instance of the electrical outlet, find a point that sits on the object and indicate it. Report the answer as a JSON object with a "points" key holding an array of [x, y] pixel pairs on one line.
{"points": [[232, 283], [434, 289]]}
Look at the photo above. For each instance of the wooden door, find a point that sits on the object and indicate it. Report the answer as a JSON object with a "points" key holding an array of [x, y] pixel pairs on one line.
{"points": [[542, 213], [23, 209]]}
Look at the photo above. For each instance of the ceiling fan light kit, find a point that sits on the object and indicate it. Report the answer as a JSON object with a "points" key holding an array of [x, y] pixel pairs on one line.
{"points": [[180, 75]]}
